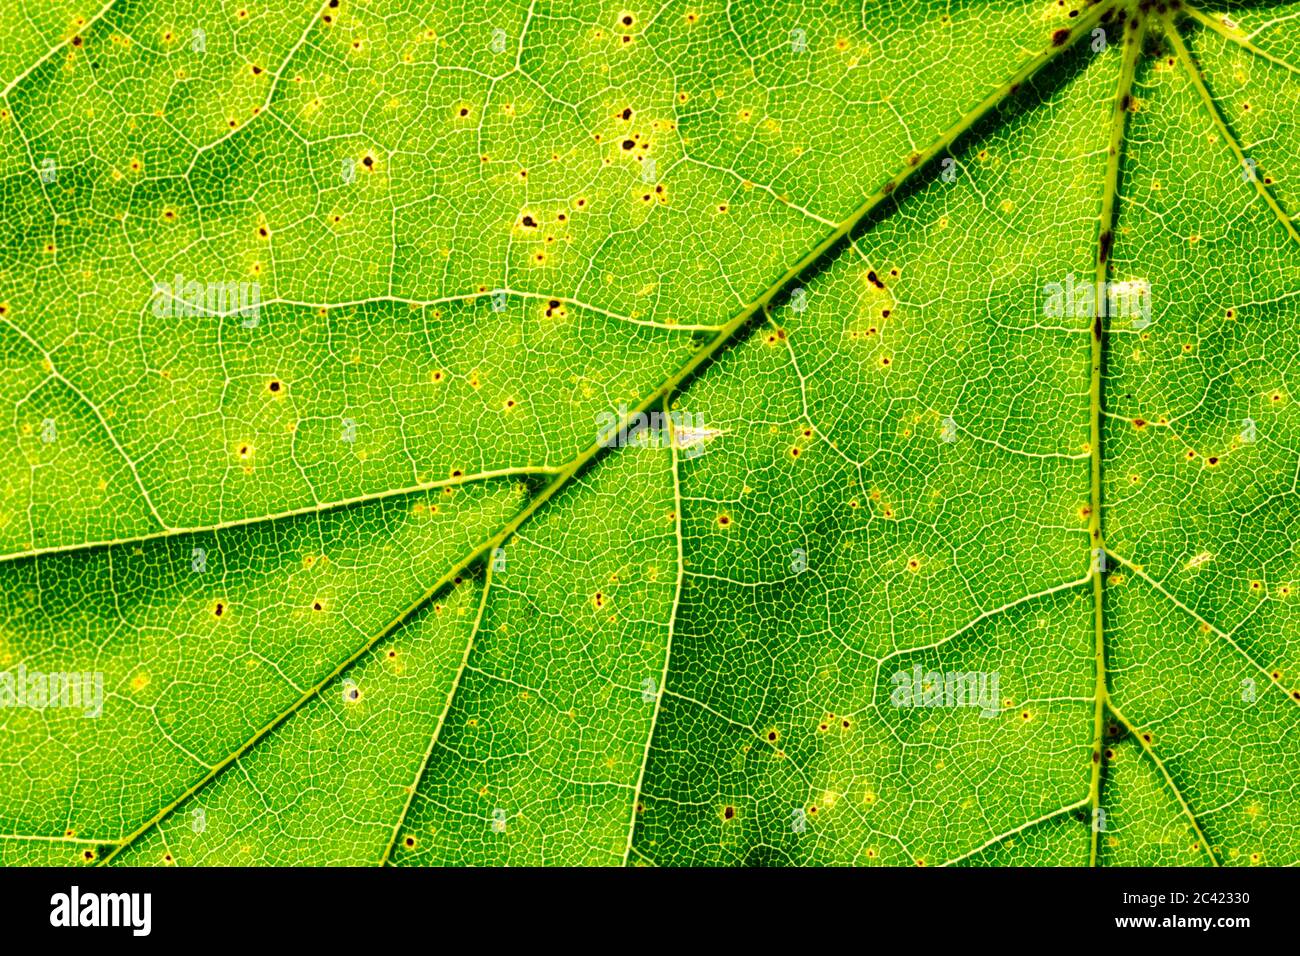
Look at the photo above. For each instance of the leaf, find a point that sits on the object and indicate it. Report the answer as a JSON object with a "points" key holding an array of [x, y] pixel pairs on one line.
{"points": [[315, 327]]}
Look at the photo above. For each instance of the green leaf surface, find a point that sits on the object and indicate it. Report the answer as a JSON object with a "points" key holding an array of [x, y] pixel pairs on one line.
{"points": [[361, 577]]}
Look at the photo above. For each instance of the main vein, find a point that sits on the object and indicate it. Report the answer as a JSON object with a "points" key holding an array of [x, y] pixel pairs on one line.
{"points": [[1134, 31]]}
